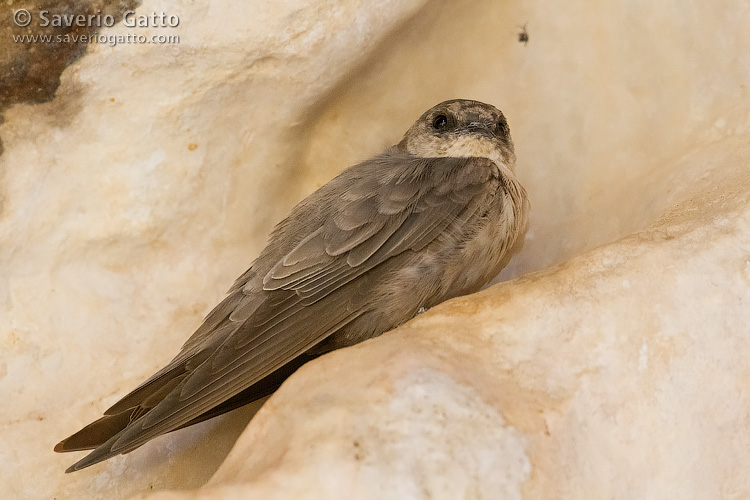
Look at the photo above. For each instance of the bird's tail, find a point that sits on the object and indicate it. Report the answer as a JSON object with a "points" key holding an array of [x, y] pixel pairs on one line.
{"points": [[96, 433]]}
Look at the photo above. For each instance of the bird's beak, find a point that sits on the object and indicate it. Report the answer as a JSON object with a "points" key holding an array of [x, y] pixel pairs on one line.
{"points": [[480, 128]]}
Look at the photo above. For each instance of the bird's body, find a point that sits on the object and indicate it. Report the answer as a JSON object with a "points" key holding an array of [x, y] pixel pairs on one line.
{"points": [[429, 219]]}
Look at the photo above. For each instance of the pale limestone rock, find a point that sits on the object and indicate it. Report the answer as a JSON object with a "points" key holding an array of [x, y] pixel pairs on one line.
{"points": [[622, 373], [131, 202]]}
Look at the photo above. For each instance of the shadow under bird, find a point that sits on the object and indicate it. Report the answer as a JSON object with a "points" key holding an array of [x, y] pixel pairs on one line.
{"points": [[431, 218]]}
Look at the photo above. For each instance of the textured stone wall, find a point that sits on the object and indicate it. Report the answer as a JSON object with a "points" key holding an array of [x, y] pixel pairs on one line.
{"points": [[131, 200]]}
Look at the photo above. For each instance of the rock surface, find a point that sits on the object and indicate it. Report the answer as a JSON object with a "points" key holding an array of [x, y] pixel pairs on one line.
{"points": [[620, 374], [131, 201]]}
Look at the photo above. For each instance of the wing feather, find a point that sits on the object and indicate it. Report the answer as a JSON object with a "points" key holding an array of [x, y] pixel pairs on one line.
{"points": [[288, 302]]}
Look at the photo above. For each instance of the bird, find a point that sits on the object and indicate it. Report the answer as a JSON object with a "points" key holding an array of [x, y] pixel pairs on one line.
{"points": [[431, 218]]}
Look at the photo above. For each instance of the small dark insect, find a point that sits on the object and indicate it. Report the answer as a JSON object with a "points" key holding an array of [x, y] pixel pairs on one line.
{"points": [[523, 36]]}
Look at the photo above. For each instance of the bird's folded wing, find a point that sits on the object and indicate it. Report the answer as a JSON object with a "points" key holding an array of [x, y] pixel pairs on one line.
{"points": [[320, 285]]}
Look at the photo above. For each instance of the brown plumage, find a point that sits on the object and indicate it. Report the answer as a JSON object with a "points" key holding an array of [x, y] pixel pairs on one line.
{"points": [[429, 219]]}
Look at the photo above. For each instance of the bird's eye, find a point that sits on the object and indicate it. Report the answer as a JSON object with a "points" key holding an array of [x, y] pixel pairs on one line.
{"points": [[440, 122]]}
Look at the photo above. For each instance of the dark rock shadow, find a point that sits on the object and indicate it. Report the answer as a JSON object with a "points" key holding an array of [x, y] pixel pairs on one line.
{"points": [[40, 38]]}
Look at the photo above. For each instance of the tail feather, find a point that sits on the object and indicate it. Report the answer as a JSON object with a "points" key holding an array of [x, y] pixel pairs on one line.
{"points": [[96, 433], [101, 435]]}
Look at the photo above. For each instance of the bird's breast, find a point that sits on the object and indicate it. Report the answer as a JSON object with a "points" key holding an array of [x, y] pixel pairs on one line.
{"points": [[490, 234]]}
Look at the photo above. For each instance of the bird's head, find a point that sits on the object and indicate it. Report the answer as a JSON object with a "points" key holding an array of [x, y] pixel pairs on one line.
{"points": [[461, 128]]}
